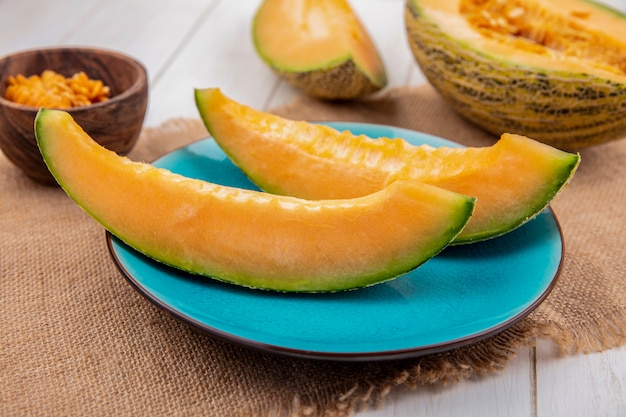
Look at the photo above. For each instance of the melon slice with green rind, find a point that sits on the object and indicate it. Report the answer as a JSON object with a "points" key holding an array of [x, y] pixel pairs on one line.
{"points": [[246, 237], [513, 180], [320, 47]]}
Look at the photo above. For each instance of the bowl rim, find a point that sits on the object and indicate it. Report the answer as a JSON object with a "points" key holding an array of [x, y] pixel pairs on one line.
{"points": [[137, 86]]}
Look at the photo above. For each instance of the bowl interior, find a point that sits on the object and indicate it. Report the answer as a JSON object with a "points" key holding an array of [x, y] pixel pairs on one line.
{"points": [[119, 72]]}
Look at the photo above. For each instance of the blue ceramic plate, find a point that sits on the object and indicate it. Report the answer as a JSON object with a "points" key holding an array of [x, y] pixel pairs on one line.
{"points": [[463, 295]]}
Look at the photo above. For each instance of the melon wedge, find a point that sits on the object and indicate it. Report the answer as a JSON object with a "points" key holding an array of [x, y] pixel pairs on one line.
{"points": [[513, 180], [247, 237], [319, 46]]}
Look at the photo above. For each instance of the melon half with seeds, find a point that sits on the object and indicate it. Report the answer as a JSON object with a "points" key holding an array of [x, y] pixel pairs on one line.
{"points": [[513, 180], [247, 237], [553, 70], [318, 46]]}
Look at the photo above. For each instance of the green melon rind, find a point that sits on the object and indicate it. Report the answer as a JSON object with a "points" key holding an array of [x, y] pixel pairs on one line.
{"points": [[337, 81], [46, 134], [564, 109], [564, 171]]}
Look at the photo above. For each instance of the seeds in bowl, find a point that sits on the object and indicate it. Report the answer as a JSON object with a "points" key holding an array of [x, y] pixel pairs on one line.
{"points": [[53, 90]]}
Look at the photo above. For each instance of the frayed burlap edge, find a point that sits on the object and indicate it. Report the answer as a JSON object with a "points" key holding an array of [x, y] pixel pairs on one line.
{"points": [[475, 360], [595, 336]]}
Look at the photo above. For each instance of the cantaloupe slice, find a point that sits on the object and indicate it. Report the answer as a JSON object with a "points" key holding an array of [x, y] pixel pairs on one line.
{"points": [[318, 46], [514, 179], [249, 237]]}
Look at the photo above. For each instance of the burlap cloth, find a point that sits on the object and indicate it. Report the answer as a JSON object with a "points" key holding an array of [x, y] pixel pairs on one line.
{"points": [[77, 339]]}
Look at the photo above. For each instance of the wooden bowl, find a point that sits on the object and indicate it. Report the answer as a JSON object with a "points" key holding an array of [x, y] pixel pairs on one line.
{"points": [[115, 123]]}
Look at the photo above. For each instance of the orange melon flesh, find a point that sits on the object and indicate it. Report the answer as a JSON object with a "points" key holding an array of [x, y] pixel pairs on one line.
{"points": [[303, 39], [249, 237], [513, 180], [562, 35]]}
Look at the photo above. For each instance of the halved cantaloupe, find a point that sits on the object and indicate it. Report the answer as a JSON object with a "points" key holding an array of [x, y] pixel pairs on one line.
{"points": [[514, 179], [249, 237], [551, 70], [319, 46]]}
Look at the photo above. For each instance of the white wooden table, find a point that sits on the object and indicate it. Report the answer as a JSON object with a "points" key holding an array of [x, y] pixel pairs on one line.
{"points": [[201, 43]]}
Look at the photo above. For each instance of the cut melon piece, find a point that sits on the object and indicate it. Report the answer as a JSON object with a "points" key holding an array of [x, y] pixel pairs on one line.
{"points": [[249, 237], [551, 70], [513, 180], [318, 46]]}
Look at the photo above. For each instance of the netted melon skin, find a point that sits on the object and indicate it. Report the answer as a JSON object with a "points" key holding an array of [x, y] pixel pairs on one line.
{"points": [[344, 81], [566, 110]]}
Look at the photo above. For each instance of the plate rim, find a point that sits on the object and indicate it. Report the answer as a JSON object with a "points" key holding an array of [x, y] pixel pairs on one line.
{"points": [[383, 355]]}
